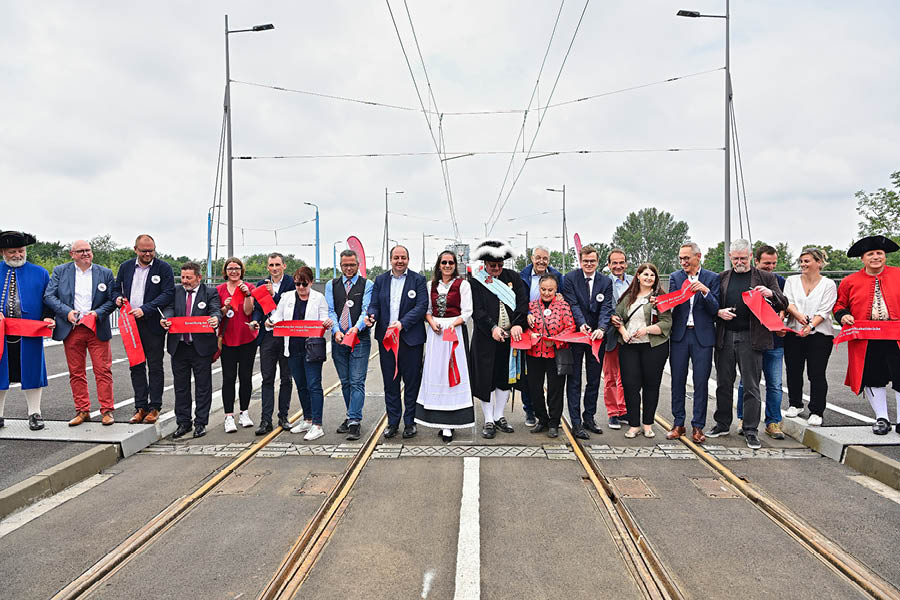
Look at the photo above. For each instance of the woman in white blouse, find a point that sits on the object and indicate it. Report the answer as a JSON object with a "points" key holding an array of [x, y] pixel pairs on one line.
{"points": [[811, 297], [445, 396]]}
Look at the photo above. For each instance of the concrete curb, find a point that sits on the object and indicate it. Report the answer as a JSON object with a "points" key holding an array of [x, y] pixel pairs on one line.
{"points": [[57, 478], [875, 465]]}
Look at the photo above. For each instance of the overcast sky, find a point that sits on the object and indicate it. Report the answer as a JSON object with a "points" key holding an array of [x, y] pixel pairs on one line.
{"points": [[111, 117]]}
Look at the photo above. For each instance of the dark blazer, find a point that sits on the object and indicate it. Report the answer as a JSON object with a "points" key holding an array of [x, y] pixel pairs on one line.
{"points": [[204, 343], [59, 297], [158, 291], [760, 337], [287, 285], [593, 311], [705, 308], [528, 271], [413, 305]]}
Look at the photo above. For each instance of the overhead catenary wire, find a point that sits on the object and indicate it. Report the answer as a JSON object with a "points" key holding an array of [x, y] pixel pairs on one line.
{"points": [[219, 183], [740, 172], [536, 153]]}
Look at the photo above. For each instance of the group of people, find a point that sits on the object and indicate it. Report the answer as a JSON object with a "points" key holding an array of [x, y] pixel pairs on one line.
{"points": [[535, 331]]}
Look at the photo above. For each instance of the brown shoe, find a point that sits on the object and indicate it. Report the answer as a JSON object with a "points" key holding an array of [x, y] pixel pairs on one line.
{"points": [[107, 418], [773, 430], [697, 435], [675, 433], [80, 417], [138, 417], [152, 417]]}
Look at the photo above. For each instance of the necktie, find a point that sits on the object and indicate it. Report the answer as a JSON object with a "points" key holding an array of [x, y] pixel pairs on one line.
{"points": [[587, 284], [345, 314], [188, 305]]}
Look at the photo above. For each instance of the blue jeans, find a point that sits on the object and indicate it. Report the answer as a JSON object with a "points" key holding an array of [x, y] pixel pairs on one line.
{"points": [[308, 379], [351, 367], [772, 360]]}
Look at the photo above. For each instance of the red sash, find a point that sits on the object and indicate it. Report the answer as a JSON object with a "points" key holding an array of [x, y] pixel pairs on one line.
{"points": [[199, 324], [264, 298], [350, 339], [577, 337], [236, 299], [130, 337], [869, 330], [673, 299], [299, 328], [525, 343], [391, 343], [90, 321], [763, 311], [449, 335], [21, 327]]}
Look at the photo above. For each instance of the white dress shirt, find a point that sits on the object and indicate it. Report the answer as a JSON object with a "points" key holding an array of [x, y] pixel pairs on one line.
{"points": [[692, 279], [820, 301], [84, 290], [397, 284], [138, 283]]}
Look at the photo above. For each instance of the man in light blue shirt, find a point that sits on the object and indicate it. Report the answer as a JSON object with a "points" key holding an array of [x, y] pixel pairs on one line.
{"points": [[613, 394], [348, 298]]}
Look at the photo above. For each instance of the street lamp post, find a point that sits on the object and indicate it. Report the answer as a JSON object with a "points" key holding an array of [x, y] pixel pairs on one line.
{"points": [[565, 241], [334, 257], [387, 248], [318, 271], [228, 156], [727, 16]]}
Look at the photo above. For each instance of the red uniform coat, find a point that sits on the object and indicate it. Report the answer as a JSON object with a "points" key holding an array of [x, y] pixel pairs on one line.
{"points": [[855, 296]]}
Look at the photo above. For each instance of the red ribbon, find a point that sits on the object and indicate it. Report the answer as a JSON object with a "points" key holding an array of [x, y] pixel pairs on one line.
{"points": [[673, 299], [525, 343], [869, 330], [298, 328], [350, 339], [130, 337], [763, 311], [453, 376], [264, 298], [236, 299], [391, 343], [90, 321], [27, 328], [577, 337], [198, 324]]}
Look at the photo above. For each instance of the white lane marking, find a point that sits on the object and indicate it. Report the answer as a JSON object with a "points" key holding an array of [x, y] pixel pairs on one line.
{"points": [[130, 401], [468, 545], [427, 578], [30, 513], [877, 487]]}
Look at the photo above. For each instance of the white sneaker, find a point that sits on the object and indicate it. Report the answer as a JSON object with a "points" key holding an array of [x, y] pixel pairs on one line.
{"points": [[314, 433], [301, 426], [814, 421], [244, 419], [230, 427], [793, 411]]}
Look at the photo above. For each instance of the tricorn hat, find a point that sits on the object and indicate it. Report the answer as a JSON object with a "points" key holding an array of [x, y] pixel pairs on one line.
{"points": [[15, 239], [873, 242], [493, 249]]}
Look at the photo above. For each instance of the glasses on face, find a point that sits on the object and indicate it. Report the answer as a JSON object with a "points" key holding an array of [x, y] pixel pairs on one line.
{"points": [[301, 283], [589, 261], [740, 258], [150, 251], [233, 269], [83, 251], [684, 258], [349, 265], [448, 262]]}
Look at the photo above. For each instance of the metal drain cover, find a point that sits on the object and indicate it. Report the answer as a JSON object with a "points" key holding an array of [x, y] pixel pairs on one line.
{"points": [[318, 484], [713, 487], [632, 487], [239, 483]]}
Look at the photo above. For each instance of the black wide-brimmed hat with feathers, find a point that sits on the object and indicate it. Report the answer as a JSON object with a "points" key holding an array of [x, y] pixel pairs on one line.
{"points": [[15, 239], [492, 249]]}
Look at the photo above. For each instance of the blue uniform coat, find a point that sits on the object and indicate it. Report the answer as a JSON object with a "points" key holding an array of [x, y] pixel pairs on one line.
{"points": [[32, 281]]}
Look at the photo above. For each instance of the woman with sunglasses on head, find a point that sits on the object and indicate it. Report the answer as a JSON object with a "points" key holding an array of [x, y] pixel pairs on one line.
{"points": [[238, 342], [644, 338], [445, 396], [305, 355]]}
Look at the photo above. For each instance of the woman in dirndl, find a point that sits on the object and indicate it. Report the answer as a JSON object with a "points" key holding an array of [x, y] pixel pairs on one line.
{"points": [[445, 396]]}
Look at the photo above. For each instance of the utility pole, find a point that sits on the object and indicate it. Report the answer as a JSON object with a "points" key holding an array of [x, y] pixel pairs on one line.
{"points": [[230, 200], [385, 251], [727, 135], [564, 233]]}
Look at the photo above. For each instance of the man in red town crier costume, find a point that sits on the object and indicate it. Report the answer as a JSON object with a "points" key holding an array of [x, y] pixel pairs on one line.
{"points": [[872, 294]]}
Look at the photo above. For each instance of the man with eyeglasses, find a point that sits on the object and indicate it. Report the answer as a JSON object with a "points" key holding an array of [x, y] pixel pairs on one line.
{"points": [[613, 392], [531, 275], [693, 339], [741, 340], [80, 294], [348, 298], [271, 350], [149, 285], [590, 295]]}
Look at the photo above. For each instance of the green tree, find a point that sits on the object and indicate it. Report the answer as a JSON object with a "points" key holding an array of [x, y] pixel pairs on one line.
{"points": [[785, 258], [880, 212], [714, 259], [838, 259], [650, 235]]}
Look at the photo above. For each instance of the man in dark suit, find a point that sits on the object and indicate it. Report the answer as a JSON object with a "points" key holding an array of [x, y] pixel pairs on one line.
{"points": [[271, 350], [741, 340], [693, 338], [149, 285], [400, 300], [531, 275], [192, 352], [590, 295], [81, 290]]}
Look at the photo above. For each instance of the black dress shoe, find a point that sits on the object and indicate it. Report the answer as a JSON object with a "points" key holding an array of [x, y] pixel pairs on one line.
{"points": [[264, 428], [2, 422], [592, 427], [503, 426], [489, 431], [881, 427], [580, 433], [199, 431], [390, 431], [552, 432], [36, 423], [409, 431], [897, 429], [353, 431], [539, 427], [284, 423], [181, 430], [343, 427]]}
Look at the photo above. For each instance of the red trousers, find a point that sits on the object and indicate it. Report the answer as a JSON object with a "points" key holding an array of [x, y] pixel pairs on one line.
{"points": [[77, 344], [613, 394]]}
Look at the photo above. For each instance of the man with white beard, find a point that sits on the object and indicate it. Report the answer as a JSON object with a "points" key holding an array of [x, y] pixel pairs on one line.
{"points": [[22, 286]]}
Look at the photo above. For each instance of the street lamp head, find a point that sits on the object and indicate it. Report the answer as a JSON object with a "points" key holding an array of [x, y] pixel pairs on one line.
{"points": [[688, 13], [265, 27]]}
